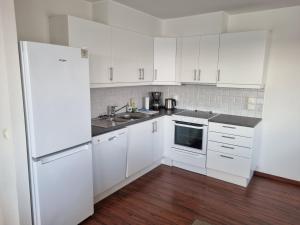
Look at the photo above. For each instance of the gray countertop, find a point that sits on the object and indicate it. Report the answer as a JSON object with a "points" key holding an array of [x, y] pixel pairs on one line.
{"points": [[236, 120], [99, 130], [221, 118]]}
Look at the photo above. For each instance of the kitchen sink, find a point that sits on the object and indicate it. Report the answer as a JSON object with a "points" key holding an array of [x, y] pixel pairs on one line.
{"points": [[118, 119], [131, 116]]}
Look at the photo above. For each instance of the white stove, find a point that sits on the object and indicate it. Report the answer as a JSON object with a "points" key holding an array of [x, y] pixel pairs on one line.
{"points": [[189, 147]]}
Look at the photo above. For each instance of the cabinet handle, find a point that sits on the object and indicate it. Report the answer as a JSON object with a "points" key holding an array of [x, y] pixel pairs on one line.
{"points": [[219, 75], [223, 146], [228, 137], [155, 74], [199, 74], [140, 74], [111, 73], [195, 74], [229, 127], [153, 127], [227, 157], [143, 72]]}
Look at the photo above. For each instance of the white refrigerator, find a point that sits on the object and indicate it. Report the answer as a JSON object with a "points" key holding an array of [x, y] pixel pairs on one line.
{"points": [[57, 105]]}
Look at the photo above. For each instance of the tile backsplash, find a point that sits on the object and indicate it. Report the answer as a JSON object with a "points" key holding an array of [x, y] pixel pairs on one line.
{"points": [[244, 102]]}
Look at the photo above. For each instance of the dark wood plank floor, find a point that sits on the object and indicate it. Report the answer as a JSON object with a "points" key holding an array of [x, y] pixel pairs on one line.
{"points": [[171, 196]]}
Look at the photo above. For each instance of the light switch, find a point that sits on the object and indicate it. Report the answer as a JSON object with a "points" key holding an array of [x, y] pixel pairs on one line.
{"points": [[251, 100]]}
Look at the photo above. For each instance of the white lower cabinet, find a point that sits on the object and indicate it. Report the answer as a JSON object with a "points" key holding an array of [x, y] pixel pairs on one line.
{"points": [[158, 138], [228, 163], [145, 145], [109, 160], [231, 155]]}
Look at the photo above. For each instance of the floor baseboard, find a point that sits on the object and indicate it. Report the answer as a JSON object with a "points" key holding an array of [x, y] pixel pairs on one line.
{"points": [[277, 178]]}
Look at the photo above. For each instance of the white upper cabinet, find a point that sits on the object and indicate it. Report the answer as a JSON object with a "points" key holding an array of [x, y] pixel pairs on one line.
{"points": [[208, 59], [95, 37], [189, 59], [132, 56], [164, 60], [117, 57], [199, 59], [145, 47], [242, 59], [125, 56]]}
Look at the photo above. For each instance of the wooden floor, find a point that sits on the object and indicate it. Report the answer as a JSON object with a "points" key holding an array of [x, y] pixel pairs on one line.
{"points": [[171, 196]]}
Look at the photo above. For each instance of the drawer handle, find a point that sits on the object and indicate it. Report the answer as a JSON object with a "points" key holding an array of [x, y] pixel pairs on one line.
{"points": [[227, 157], [229, 127], [112, 138], [223, 146], [228, 137]]}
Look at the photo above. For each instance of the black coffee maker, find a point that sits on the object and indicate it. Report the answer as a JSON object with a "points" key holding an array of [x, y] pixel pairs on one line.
{"points": [[155, 100]]}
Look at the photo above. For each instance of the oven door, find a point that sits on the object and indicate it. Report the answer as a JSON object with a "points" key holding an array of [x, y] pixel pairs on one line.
{"points": [[190, 137]]}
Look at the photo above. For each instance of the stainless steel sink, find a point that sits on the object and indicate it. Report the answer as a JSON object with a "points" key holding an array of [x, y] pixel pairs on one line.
{"points": [[118, 119], [132, 116]]}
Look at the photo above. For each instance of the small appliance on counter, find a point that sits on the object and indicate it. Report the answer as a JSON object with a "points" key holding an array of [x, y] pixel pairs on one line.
{"points": [[155, 100], [170, 103], [146, 103]]}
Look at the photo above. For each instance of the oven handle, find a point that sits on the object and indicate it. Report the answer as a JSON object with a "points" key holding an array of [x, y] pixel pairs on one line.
{"points": [[189, 126]]}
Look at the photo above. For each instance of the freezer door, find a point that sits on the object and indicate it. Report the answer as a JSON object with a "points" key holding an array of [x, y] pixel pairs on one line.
{"points": [[63, 187], [57, 97]]}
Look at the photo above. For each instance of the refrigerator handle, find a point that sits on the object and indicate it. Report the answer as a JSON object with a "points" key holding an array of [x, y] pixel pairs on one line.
{"points": [[64, 154]]}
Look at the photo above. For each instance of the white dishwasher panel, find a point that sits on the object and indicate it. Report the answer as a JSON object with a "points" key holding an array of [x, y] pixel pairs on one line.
{"points": [[109, 160]]}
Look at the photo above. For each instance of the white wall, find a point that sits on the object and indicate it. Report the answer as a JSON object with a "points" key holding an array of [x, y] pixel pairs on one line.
{"points": [[210, 23], [14, 183], [119, 15], [280, 150], [33, 16]]}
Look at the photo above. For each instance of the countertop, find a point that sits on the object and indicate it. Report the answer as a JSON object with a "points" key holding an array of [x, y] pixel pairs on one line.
{"points": [[99, 130], [220, 118], [236, 120]]}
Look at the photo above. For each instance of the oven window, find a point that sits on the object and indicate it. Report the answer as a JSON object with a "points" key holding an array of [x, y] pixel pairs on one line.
{"points": [[189, 137]]}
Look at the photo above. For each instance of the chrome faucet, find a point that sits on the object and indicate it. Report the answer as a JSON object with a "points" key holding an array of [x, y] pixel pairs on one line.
{"points": [[111, 109]]}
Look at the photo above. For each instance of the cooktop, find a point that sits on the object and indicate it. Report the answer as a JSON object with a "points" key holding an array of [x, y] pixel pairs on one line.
{"points": [[197, 114]]}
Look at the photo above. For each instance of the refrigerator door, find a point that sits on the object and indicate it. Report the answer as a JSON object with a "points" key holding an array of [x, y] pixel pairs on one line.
{"points": [[57, 97], [63, 187]]}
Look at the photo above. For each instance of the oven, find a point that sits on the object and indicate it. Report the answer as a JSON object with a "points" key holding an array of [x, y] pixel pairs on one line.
{"points": [[190, 137]]}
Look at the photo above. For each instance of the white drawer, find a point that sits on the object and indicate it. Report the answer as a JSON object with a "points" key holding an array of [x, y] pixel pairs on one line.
{"points": [[230, 139], [231, 129], [197, 160], [229, 149], [229, 163]]}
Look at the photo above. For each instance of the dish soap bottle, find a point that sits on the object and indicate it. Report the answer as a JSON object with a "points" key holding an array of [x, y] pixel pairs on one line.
{"points": [[133, 105]]}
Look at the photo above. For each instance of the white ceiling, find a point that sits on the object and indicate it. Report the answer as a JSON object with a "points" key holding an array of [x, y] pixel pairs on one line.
{"points": [[179, 8]]}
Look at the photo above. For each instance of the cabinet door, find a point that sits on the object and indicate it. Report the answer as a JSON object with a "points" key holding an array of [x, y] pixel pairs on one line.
{"points": [[96, 38], [125, 56], [242, 57], [158, 139], [190, 58], [109, 160], [146, 57], [208, 59], [164, 59], [140, 147]]}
